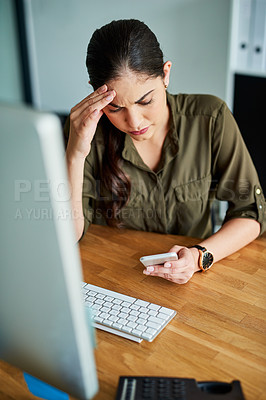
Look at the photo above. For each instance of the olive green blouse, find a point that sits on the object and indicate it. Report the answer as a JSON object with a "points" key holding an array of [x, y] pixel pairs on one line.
{"points": [[203, 157]]}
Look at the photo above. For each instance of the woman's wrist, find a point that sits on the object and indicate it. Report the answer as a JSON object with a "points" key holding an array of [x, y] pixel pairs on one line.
{"points": [[195, 254], [74, 157]]}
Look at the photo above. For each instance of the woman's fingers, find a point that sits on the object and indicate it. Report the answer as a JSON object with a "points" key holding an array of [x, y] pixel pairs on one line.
{"points": [[179, 277], [97, 92], [91, 104], [179, 271], [91, 109], [92, 98]]}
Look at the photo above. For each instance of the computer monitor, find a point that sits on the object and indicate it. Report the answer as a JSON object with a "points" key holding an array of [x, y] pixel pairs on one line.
{"points": [[44, 329]]}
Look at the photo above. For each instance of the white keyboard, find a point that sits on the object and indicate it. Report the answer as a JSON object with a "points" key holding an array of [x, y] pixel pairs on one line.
{"points": [[125, 316]]}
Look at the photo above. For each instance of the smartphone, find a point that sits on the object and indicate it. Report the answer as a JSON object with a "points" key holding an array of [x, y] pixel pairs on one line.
{"points": [[158, 258]]}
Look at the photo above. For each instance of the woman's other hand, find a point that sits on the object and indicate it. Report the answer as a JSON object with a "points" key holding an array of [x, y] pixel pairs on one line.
{"points": [[180, 271], [84, 118]]}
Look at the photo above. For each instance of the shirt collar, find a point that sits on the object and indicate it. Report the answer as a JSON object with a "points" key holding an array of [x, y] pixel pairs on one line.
{"points": [[131, 154], [172, 133]]}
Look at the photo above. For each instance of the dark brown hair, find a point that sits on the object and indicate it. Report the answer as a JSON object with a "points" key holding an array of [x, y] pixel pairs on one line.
{"points": [[117, 46]]}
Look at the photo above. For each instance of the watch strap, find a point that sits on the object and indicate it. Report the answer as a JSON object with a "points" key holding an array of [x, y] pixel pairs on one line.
{"points": [[200, 247], [202, 250]]}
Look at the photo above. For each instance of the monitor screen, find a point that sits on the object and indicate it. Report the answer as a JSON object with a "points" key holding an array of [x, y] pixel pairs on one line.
{"points": [[44, 329]]}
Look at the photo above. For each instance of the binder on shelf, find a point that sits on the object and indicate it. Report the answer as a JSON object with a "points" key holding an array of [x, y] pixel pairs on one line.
{"points": [[258, 36], [243, 42]]}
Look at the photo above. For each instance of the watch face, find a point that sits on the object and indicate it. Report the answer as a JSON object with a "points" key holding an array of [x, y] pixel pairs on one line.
{"points": [[207, 260]]}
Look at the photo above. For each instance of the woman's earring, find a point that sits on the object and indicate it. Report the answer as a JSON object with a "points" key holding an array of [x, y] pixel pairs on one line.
{"points": [[166, 86]]}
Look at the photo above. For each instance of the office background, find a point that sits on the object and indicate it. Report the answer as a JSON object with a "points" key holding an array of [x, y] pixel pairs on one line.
{"points": [[193, 34], [216, 46]]}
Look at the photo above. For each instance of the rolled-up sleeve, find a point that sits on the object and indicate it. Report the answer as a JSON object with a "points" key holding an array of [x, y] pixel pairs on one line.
{"points": [[234, 172]]}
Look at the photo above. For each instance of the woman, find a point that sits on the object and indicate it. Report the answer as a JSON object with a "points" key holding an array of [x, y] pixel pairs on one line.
{"points": [[144, 159]]}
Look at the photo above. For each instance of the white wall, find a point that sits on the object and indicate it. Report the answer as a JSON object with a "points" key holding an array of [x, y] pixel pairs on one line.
{"points": [[193, 35], [10, 73]]}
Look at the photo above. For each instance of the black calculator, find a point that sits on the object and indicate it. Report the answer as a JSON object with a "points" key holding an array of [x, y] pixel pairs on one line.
{"points": [[163, 388]]}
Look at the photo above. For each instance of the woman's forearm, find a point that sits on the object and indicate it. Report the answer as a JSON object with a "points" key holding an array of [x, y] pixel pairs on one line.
{"points": [[232, 236], [75, 168]]}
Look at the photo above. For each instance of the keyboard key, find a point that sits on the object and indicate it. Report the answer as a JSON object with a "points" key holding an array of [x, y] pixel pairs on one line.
{"points": [[108, 304], [116, 325], [163, 315], [97, 319], [113, 318], [125, 310], [99, 301], [147, 336], [126, 329], [142, 303], [92, 293], [150, 331], [108, 298], [136, 313], [153, 325], [141, 321], [104, 315], [105, 309], [132, 324], [141, 328], [167, 311], [126, 304], [131, 318], [96, 306], [100, 296], [144, 316], [143, 310], [122, 315], [134, 307], [113, 312], [116, 307], [156, 320], [152, 312], [91, 298], [107, 322], [122, 321], [136, 332], [154, 307]]}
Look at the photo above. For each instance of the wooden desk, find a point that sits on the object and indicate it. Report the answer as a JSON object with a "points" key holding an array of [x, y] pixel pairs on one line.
{"points": [[218, 333]]}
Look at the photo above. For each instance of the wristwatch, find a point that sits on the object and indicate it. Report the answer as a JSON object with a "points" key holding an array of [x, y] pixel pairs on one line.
{"points": [[205, 259]]}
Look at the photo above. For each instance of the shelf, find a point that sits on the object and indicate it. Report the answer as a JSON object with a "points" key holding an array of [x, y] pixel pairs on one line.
{"points": [[260, 74]]}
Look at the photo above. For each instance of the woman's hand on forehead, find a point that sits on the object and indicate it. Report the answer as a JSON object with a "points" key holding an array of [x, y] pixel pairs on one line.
{"points": [[84, 118]]}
